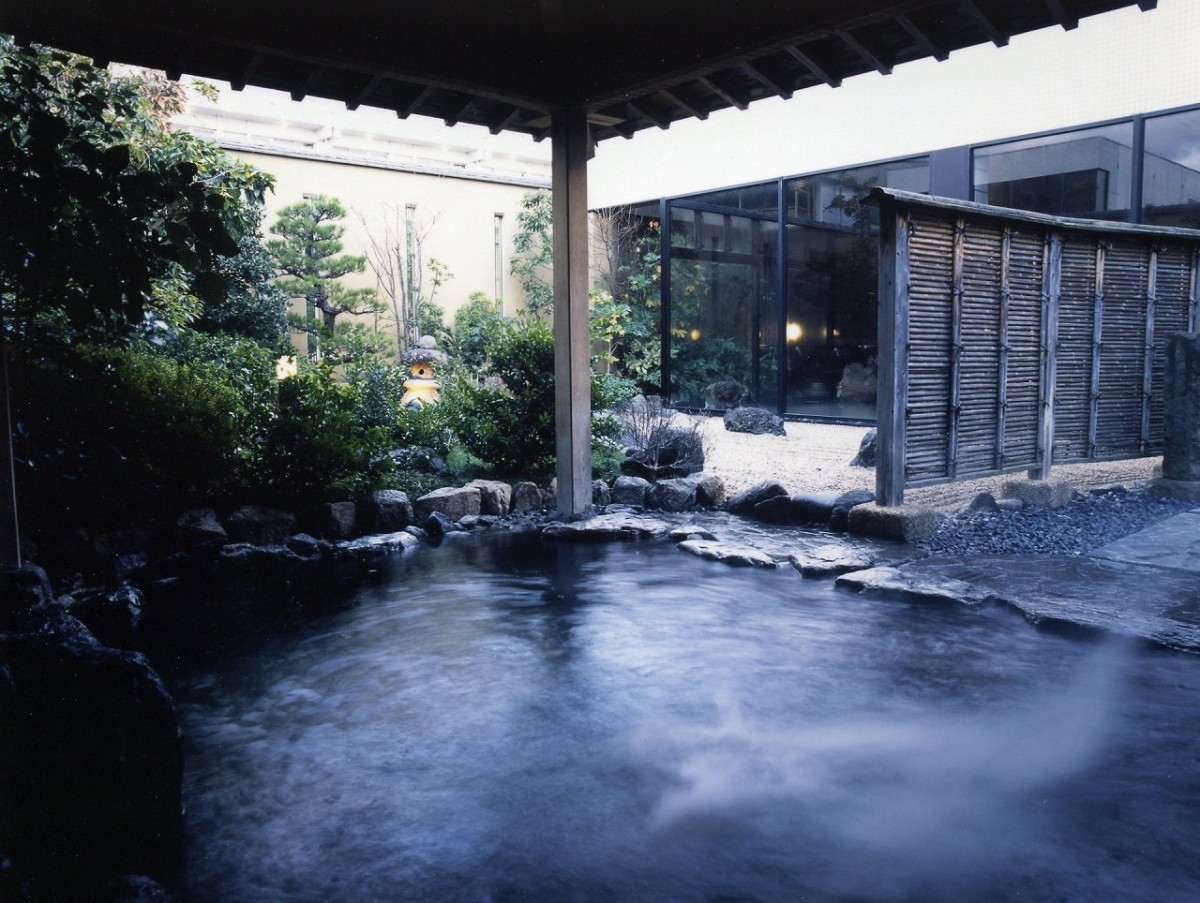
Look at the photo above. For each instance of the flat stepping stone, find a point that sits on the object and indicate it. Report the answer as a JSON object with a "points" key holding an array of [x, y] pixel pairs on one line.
{"points": [[831, 560], [735, 556], [680, 534], [375, 545], [606, 528], [913, 586]]}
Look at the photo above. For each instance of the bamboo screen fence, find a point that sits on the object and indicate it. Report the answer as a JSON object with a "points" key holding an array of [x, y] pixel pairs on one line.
{"points": [[1009, 341]]}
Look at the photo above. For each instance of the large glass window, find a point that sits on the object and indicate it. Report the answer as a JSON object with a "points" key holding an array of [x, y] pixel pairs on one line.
{"points": [[1171, 170], [1086, 173], [723, 310]]}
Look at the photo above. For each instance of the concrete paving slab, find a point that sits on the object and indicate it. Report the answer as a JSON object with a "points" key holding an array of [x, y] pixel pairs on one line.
{"points": [[1172, 543], [1159, 604]]}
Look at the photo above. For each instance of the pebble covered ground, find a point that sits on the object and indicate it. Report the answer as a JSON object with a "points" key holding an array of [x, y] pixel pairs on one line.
{"points": [[815, 457]]}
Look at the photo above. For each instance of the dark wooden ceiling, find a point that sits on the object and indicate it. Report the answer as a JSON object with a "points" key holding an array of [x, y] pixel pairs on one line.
{"points": [[506, 64]]}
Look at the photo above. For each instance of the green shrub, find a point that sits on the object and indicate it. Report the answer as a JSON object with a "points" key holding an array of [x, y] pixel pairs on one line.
{"points": [[479, 327]]}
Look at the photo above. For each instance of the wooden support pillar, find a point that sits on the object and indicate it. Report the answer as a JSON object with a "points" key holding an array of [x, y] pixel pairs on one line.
{"points": [[1051, 288], [571, 148], [892, 404]]}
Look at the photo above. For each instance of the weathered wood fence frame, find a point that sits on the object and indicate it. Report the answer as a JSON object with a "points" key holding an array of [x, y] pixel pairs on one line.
{"points": [[1011, 341]]}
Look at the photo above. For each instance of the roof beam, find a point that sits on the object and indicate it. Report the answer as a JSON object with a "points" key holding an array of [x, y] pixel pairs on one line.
{"points": [[690, 109], [408, 107], [766, 80], [455, 116], [241, 78], [309, 83], [646, 113], [986, 25], [500, 123], [871, 59], [364, 92], [805, 60], [1061, 16], [935, 50], [726, 95]]}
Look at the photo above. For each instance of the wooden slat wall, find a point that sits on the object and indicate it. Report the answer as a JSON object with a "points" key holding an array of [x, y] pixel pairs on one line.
{"points": [[1023, 340]]}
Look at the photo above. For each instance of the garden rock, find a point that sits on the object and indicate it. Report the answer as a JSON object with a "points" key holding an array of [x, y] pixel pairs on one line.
{"points": [[671, 495], [710, 490], [335, 520], [601, 494], [199, 528], [454, 502], [260, 526], [912, 586], [525, 497], [436, 525], [91, 755], [744, 502], [377, 545], [736, 556], [839, 517], [775, 510], [495, 497], [729, 393], [111, 615], [813, 507], [867, 451], [679, 534], [758, 421], [984, 502], [627, 490], [387, 511]]}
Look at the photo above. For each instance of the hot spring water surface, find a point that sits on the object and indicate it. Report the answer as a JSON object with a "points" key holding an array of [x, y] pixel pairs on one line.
{"points": [[503, 720]]}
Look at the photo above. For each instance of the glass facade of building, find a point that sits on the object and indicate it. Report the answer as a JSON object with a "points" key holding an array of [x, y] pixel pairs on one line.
{"points": [[773, 286]]}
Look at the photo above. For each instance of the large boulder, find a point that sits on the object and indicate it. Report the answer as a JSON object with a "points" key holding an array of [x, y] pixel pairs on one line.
{"points": [[627, 490], [710, 490], [386, 511], [525, 497], [758, 421], [495, 497], [199, 528], [813, 507], [677, 494], [744, 502], [337, 520], [260, 526], [454, 502], [91, 759], [601, 493], [839, 518]]}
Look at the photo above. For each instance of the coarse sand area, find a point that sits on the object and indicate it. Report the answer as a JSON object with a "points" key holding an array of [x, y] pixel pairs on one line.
{"points": [[815, 457]]}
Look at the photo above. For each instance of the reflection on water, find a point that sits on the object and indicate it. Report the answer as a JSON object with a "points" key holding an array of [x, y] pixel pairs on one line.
{"points": [[500, 721]]}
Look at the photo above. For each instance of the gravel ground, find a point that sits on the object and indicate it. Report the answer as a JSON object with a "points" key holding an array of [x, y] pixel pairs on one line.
{"points": [[816, 457]]}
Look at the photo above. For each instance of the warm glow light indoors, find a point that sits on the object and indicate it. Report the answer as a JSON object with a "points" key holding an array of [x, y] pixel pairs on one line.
{"points": [[794, 332]]}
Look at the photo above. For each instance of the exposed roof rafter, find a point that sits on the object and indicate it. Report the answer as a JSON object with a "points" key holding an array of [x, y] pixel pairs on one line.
{"points": [[766, 80], [986, 25], [300, 93], [870, 58], [726, 95], [690, 108], [805, 60], [364, 92], [930, 46], [420, 93]]}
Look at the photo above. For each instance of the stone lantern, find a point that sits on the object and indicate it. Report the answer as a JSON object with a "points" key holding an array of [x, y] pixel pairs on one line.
{"points": [[421, 388]]}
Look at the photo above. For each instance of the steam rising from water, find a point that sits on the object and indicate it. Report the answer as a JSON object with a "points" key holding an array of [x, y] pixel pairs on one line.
{"points": [[924, 798]]}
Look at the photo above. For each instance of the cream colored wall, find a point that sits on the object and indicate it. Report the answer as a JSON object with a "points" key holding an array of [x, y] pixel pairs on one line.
{"points": [[462, 213]]}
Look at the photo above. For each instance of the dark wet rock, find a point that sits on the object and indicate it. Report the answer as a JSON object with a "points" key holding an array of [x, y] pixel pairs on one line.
{"points": [[22, 588], [627, 490], [813, 507], [912, 586], [113, 545], [868, 450], [774, 510], [679, 534], [606, 528], [726, 553], [386, 511], [304, 546], [495, 496], [831, 560], [246, 559], [477, 522], [90, 754], [984, 502], [525, 497], [1108, 489], [336, 520], [199, 527], [111, 615], [728, 393], [453, 502], [757, 421], [437, 524], [677, 494], [259, 525], [744, 502], [839, 517], [601, 494]]}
